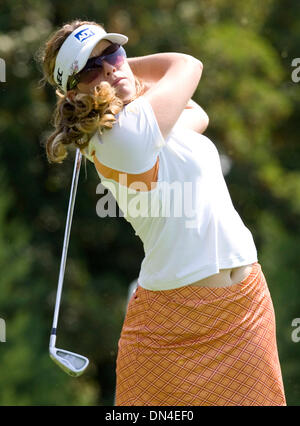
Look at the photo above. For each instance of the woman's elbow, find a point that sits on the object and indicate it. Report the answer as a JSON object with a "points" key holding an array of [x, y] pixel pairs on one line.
{"points": [[198, 68], [191, 60], [200, 64], [204, 123], [197, 64]]}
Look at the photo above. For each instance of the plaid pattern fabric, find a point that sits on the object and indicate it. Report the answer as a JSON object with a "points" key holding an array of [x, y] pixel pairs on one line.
{"points": [[200, 346]]}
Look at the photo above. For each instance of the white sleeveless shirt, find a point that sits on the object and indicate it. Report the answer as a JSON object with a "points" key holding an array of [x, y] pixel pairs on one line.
{"points": [[187, 222]]}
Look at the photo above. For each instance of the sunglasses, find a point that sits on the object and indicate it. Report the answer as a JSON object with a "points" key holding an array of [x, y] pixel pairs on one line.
{"points": [[113, 54]]}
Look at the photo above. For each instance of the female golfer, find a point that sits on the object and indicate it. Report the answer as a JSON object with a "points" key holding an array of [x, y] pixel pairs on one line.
{"points": [[200, 328]]}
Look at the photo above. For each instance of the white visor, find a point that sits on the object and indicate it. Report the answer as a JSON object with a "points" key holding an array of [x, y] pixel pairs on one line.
{"points": [[76, 49]]}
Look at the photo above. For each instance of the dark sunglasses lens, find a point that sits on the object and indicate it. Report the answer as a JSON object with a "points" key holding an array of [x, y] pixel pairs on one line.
{"points": [[110, 49], [88, 76], [114, 55], [97, 61], [116, 58]]}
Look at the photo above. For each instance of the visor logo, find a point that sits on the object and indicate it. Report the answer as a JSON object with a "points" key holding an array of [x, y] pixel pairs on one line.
{"points": [[84, 34], [59, 76]]}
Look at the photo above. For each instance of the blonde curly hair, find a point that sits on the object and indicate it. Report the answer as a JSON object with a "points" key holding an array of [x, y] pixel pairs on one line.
{"points": [[77, 118]]}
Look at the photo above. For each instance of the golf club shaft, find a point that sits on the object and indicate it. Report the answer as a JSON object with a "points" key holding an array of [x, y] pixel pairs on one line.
{"points": [[76, 171]]}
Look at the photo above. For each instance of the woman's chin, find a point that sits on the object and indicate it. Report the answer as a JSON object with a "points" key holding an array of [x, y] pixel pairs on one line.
{"points": [[125, 95]]}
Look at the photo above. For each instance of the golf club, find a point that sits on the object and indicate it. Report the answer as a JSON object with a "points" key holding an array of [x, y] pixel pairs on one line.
{"points": [[70, 362]]}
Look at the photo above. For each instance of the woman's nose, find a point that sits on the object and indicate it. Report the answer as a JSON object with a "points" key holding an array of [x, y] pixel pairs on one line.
{"points": [[108, 68]]}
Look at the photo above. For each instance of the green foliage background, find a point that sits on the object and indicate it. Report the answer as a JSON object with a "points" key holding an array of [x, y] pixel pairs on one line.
{"points": [[247, 49]]}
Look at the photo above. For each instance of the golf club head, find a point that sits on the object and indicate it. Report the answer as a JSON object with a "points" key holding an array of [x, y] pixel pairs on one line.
{"points": [[71, 363]]}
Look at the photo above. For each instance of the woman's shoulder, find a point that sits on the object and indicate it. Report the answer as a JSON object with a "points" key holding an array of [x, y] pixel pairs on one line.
{"points": [[136, 116]]}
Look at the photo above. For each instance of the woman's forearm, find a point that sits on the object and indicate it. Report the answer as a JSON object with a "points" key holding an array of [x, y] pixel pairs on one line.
{"points": [[153, 67]]}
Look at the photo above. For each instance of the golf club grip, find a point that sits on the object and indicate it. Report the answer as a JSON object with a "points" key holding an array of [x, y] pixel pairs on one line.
{"points": [[74, 184]]}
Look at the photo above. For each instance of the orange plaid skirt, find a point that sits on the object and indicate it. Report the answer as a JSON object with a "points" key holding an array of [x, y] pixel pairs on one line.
{"points": [[200, 346]]}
